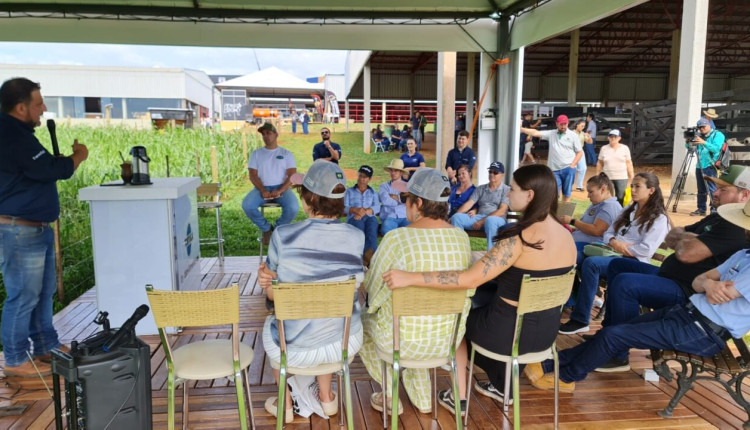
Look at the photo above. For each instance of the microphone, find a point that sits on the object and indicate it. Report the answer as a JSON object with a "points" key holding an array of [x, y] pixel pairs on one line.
{"points": [[126, 328], [53, 136]]}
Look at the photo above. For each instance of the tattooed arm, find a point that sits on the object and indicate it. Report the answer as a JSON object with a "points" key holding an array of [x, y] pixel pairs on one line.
{"points": [[494, 262]]}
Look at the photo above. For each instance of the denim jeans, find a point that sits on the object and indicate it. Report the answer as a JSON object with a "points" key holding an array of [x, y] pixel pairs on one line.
{"points": [[492, 224], [589, 153], [392, 224], [565, 179], [294, 126], [581, 172], [591, 270], [369, 225], [666, 328], [703, 192], [304, 128], [633, 284], [27, 259], [252, 201]]}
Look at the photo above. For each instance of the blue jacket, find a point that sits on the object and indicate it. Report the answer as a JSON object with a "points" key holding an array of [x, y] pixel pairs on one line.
{"points": [[28, 173]]}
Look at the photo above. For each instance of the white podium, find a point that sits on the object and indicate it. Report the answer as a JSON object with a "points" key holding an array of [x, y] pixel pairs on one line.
{"points": [[144, 234]]}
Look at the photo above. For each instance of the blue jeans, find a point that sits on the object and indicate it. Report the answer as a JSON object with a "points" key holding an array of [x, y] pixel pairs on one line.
{"points": [[633, 283], [565, 179], [581, 171], [589, 153], [667, 328], [369, 225], [304, 128], [392, 224], [703, 192], [294, 126], [591, 270], [252, 201], [492, 224], [27, 259]]}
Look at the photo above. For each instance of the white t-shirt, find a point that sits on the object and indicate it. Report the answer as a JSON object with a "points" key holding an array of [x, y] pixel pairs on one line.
{"points": [[614, 161], [272, 164], [563, 148]]}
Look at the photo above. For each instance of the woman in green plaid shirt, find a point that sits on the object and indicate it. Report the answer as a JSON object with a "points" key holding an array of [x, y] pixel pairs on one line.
{"points": [[428, 243]]}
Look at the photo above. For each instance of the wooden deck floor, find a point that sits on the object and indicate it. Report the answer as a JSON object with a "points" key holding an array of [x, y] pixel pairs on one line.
{"points": [[612, 401]]}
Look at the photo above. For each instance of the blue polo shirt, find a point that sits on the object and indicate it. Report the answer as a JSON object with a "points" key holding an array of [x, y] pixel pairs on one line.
{"points": [[456, 158], [28, 173], [320, 151]]}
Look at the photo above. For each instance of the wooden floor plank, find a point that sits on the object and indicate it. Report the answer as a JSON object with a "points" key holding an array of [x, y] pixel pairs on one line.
{"points": [[611, 401]]}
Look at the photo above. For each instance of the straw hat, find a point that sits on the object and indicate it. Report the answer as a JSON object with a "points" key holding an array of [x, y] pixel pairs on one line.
{"points": [[710, 113], [396, 164], [736, 213]]}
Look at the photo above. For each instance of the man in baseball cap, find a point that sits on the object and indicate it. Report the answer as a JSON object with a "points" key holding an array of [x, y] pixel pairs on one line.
{"points": [[270, 168], [707, 145], [492, 204], [698, 248], [362, 205], [564, 152]]}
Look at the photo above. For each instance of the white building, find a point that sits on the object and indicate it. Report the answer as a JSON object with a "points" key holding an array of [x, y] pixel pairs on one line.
{"points": [[128, 92]]}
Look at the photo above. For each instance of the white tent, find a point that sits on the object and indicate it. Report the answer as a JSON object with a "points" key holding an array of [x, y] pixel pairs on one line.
{"points": [[272, 82]]}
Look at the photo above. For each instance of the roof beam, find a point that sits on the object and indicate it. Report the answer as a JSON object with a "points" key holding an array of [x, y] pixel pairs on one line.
{"points": [[558, 17]]}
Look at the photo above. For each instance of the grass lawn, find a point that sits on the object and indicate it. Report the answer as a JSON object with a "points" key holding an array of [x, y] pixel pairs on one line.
{"points": [[241, 235]]}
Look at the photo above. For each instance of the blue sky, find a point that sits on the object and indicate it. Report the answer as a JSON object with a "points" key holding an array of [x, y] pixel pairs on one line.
{"points": [[228, 61]]}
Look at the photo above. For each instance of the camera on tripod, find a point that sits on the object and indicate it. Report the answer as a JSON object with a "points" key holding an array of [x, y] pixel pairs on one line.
{"points": [[690, 133]]}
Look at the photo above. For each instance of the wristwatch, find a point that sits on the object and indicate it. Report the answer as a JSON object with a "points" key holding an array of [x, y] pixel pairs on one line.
{"points": [[572, 222]]}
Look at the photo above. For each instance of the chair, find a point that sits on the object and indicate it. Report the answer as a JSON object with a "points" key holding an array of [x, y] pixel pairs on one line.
{"points": [[202, 360], [295, 301], [378, 145], [212, 191], [263, 208], [537, 294], [416, 301]]}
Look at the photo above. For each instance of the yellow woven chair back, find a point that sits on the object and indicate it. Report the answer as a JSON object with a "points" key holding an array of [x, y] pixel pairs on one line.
{"points": [[310, 300], [195, 308], [416, 301], [538, 294], [211, 189]]}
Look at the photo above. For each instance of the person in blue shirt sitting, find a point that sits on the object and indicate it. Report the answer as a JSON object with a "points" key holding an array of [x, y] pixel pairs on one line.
{"points": [[362, 206], [718, 311]]}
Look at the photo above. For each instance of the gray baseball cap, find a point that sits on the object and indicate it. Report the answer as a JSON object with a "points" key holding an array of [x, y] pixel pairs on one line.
{"points": [[429, 184], [322, 178]]}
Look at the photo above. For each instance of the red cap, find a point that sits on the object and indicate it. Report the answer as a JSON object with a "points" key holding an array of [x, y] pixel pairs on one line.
{"points": [[562, 119]]}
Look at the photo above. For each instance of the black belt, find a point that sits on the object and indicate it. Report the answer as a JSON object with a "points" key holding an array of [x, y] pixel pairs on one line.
{"points": [[20, 221], [706, 323]]}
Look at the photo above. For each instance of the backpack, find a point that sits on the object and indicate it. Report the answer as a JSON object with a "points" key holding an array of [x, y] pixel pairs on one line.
{"points": [[724, 159]]}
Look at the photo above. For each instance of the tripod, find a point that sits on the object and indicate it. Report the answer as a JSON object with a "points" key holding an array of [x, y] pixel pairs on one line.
{"points": [[679, 184]]}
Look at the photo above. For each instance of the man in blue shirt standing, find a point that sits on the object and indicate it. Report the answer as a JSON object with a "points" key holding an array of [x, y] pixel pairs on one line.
{"points": [[362, 205], [461, 154], [416, 122], [326, 150], [718, 310], [708, 146], [28, 204]]}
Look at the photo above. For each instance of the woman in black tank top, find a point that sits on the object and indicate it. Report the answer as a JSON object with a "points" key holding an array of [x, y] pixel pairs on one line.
{"points": [[549, 250]]}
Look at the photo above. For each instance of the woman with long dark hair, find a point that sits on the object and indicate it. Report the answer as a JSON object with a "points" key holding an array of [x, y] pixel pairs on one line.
{"points": [[537, 245], [636, 233]]}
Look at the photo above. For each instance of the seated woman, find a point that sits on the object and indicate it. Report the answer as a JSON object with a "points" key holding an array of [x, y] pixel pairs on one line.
{"points": [[294, 255], [377, 136], [412, 159], [537, 245], [461, 191], [636, 233], [603, 211], [428, 243]]}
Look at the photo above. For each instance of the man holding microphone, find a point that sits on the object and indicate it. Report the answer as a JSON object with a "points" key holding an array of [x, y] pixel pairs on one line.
{"points": [[326, 150], [29, 203]]}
